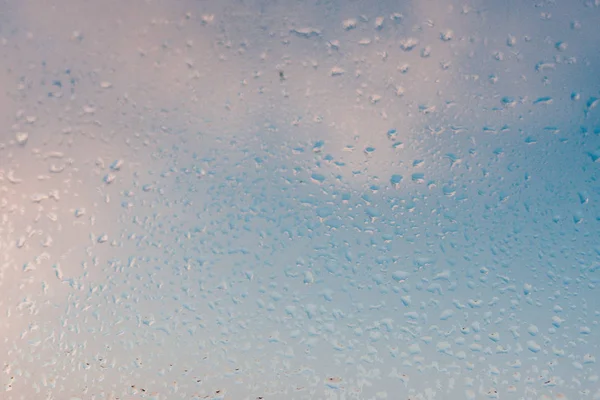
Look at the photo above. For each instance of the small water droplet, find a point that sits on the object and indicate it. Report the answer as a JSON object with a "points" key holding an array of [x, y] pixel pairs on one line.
{"points": [[22, 138]]}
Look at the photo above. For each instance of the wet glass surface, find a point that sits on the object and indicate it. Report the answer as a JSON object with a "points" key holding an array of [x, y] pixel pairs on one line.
{"points": [[299, 199]]}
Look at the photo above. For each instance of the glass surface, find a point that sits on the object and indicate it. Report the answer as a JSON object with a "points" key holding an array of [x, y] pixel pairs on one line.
{"points": [[277, 199]]}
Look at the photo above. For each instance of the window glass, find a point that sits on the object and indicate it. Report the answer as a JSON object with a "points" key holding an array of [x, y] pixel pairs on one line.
{"points": [[279, 199]]}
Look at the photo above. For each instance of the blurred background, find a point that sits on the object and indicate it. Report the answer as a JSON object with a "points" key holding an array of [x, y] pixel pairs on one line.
{"points": [[287, 199]]}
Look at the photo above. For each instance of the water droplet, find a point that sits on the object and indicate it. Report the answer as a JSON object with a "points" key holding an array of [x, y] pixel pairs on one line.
{"points": [[22, 138]]}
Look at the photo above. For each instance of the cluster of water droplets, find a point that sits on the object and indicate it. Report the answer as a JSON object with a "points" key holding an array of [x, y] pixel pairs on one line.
{"points": [[276, 201]]}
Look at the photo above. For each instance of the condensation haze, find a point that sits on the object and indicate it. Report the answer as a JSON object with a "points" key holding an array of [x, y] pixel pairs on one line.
{"points": [[278, 199]]}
